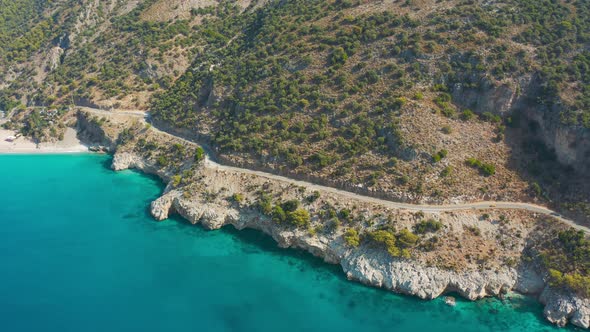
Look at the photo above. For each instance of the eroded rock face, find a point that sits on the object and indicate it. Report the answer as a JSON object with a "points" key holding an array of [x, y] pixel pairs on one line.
{"points": [[161, 207], [487, 98], [404, 276], [92, 133], [367, 265], [529, 281], [123, 161], [54, 58], [570, 143], [572, 147], [126, 160], [561, 308]]}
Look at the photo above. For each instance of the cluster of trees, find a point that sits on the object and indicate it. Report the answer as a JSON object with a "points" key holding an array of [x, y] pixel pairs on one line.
{"points": [[275, 106], [290, 213], [34, 125], [22, 30], [7, 103], [135, 53], [280, 83], [277, 103], [567, 259], [397, 244], [559, 36]]}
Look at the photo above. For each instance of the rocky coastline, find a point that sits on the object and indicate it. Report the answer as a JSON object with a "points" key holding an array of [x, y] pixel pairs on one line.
{"points": [[367, 265]]}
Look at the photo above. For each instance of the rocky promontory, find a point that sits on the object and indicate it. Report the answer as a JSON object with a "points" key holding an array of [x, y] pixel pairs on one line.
{"points": [[473, 253], [427, 275]]}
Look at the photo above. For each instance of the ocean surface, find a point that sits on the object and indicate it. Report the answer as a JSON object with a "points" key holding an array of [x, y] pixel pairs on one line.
{"points": [[81, 253]]}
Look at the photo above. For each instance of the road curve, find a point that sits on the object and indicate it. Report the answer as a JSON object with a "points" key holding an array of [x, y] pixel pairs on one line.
{"points": [[486, 205]]}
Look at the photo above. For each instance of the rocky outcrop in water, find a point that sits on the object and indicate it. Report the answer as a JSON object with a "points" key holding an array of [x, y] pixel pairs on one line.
{"points": [[125, 160], [561, 308]]}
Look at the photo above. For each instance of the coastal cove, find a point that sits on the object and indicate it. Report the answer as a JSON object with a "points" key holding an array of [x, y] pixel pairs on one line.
{"points": [[82, 253]]}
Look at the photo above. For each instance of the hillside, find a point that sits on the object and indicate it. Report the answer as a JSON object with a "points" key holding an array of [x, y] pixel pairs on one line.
{"points": [[381, 97], [418, 101]]}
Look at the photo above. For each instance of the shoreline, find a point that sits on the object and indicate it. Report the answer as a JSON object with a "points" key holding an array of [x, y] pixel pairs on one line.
{"points": [[361, 264], [22, 145]]}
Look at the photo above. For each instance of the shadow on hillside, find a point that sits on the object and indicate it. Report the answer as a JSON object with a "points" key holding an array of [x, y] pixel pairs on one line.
{"points": [[561, 187]]}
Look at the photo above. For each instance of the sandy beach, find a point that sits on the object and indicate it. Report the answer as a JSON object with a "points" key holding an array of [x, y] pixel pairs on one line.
{"points": [[70, 144]]}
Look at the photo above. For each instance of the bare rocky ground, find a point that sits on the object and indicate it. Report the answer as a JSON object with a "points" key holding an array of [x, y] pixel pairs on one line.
{"points": [[475, 253]]}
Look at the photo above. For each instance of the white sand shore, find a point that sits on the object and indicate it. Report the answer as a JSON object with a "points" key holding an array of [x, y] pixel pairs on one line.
{"points": [[70, 144]]}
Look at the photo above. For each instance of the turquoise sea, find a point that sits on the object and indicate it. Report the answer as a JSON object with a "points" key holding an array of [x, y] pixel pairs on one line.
{"points": [[81, 253]]}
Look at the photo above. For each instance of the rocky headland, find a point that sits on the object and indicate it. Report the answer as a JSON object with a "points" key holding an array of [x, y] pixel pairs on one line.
{"points": [[474, 253], [368, 265]]}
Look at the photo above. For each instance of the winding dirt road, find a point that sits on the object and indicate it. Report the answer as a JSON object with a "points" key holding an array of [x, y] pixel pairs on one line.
{"points": [[144, 116]]}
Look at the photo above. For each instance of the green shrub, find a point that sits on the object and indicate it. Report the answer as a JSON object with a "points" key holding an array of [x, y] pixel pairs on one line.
{"points": [[467, 115], [490, 117], [351, 237], [278, 215], [536, 189], [299, 218], [447, 171], [313, 197], [448, 112], [162, 161], [441, 88], [338, 56], [345, 214], [488, 169], [264, 204], [176, 179], [485, 169], [238, 198], [199, 154], [290, 205], [473, 162], [396, 245], [427, 226], [333, 224], [407, 239], [387, 240], [473, 230], [440, 155]]}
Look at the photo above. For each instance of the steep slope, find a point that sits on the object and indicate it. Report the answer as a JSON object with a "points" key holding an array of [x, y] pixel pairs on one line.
{"points": [[375, 96], [371, 95]]}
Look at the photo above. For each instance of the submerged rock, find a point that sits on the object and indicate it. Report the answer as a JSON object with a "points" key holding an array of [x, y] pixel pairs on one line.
{"points": [[449, 300]]}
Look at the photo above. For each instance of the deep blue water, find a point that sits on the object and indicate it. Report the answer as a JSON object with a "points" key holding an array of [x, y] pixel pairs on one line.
{"points": [[80, 253]]}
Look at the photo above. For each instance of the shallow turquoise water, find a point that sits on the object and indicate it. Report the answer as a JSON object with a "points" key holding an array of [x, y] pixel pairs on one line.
{"points": [[80, 253]]}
